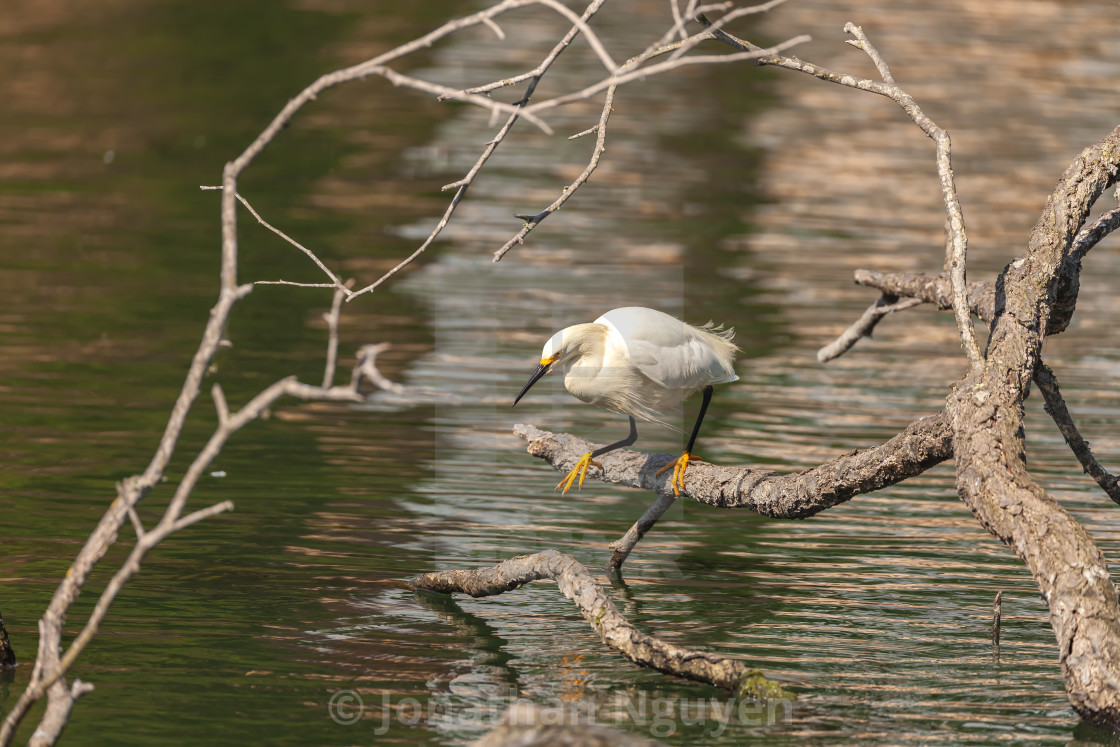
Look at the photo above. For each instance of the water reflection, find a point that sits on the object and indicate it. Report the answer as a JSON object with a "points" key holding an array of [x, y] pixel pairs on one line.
{"points": [[877, 611]]}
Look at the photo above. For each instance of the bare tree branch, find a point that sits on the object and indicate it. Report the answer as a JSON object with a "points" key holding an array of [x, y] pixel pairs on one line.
{"points": [[331, 318], [925, 443], [981, 296], [367, 367], [957, 240], [335, 282], [1056, 407], [532, 221], [986, 408], [622, 77], [534, 77], [627, 72], [1090, 236], [955, 261], [935, 289], [862, 327], [50, 667]]}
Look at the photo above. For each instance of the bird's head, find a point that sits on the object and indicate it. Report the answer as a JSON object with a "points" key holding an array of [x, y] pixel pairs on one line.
{"points": [[558, 349]]}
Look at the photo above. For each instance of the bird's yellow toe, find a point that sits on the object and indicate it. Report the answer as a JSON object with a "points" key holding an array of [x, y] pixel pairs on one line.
{"points": [[678, 467], [578, 472]]}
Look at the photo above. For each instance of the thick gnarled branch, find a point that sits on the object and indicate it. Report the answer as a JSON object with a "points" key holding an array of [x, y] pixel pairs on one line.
{"points": [[576, 583], [925, 443], [987, 414]]}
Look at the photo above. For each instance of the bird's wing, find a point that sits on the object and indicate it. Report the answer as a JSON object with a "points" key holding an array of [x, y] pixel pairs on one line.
{"points": [[670, 352]]}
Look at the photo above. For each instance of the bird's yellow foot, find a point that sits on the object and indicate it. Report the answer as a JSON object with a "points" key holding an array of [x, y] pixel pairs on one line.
{"points": [[678, 467], [580, 471]]}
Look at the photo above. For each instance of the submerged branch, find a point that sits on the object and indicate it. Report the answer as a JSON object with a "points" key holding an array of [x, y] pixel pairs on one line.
{"points": [[577, 583]]}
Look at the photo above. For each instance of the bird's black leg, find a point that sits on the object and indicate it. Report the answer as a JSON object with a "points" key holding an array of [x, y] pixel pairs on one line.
{"points": [[699, 418], [580, 470], [628, 441], [681, 464]]}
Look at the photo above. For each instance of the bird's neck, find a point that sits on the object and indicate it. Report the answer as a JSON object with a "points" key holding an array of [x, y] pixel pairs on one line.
{"points": [[581, 371]]}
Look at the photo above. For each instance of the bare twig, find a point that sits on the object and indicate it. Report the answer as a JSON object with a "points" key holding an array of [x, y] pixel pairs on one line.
{"points": [[630, 70], [579, 24], [936, 290], [678, 20], [1090, 236], [730, 13], [534, 76], [331, 319], [958, 246], [532, 221], [623, 74], [137, 525], [294, 284], [367, 367], [220, 404], [957, 243], [997, 617], [335, 282], [956, 259], [663, 67], [862, 327]]}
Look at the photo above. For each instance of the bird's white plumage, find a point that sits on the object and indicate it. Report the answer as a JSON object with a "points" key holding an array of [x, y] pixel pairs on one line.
{"points": [[671, 353], [640, 361]]}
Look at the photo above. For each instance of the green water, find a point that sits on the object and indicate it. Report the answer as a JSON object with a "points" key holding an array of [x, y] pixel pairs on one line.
{"points": [[243, 627]]}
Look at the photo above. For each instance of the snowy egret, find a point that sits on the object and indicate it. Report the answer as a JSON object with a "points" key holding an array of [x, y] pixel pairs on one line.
{"points": [[642, 363]]}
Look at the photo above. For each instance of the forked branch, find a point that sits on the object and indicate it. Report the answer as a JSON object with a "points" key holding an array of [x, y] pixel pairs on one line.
{"points": [[957, 239], [53, 662]]}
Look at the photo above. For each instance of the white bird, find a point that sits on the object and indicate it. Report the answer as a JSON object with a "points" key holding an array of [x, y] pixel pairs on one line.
{"points": [[642, 363]]}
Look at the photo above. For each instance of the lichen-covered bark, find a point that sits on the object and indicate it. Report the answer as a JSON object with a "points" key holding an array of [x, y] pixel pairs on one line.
{"points": [[986, 408], [926, 442]]}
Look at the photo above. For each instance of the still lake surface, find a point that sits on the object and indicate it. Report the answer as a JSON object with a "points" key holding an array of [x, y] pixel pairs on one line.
{"points": [[732, 194]]}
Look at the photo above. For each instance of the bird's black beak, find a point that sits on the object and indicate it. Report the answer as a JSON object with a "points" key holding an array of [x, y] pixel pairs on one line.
{"points": [[542, 369]]}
